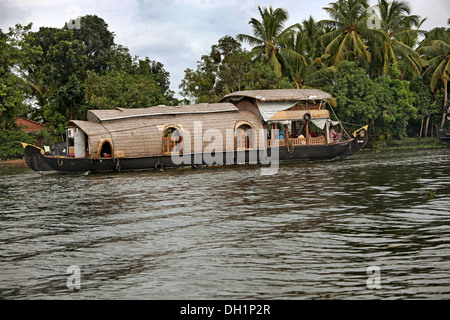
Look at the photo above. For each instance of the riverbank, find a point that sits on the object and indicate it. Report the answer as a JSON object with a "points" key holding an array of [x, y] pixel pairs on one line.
{"points": [[406, 143], [16, 163], [411, 142]]}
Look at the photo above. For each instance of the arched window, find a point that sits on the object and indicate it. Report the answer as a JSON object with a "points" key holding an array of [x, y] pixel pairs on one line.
{"points": [[171, 140], [244, 139]]}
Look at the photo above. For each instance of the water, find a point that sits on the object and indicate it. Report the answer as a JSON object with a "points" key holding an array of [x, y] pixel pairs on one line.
{"points": [[308, 232]]}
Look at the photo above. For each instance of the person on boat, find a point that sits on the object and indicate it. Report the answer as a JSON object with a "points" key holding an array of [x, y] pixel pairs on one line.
{"points": [[337, 137], [334, 134], [301, 136]]}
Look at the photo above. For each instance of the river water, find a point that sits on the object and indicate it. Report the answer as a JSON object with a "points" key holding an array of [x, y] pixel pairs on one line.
{"points": [[314, 230]]}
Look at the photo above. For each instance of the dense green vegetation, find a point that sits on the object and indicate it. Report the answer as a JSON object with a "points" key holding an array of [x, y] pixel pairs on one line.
{"points": [[10, 143], [56, 74], [386, 72]]}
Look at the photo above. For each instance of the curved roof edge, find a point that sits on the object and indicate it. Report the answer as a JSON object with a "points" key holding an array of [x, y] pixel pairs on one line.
{"points": [[279, 95], [123, 113]]}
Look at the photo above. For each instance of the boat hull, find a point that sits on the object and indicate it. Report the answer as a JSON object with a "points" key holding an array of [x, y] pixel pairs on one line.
{"points": [[35, 159], [42, 163], [443, 135]]}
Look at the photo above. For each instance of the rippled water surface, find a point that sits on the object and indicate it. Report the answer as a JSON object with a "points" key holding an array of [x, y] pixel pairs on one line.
{"points": [[308, 232]]}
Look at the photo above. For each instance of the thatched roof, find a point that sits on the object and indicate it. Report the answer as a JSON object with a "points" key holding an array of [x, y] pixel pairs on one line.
{"points": [[299, 114], [122, 113], [279, 95], [90, 128]]}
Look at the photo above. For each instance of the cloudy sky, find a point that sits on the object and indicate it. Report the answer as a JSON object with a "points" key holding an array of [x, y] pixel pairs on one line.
{"points": [[178, 32]]}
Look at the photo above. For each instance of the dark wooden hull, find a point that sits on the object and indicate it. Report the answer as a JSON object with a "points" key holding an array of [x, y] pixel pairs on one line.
{"points": [[35, 159], [44, 163], [443, 135]]}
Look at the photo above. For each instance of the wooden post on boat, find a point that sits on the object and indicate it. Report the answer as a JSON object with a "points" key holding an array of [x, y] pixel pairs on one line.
{"points": [[307, 132], [327, 133], [287, 138]]}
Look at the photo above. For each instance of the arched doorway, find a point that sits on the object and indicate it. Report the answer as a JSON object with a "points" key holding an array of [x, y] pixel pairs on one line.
{"points": [[106, 150], [244, 137], [171, 140]]}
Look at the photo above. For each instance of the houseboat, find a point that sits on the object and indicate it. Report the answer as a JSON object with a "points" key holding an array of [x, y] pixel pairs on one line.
{"points": [[245, 127], [443, 135]]}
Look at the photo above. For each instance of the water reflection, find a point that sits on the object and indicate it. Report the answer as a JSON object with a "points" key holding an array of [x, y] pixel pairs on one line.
{"points": [[308, 232]]}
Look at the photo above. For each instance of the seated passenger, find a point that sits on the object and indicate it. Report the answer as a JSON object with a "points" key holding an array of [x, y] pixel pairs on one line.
{"points": [[334, 134], [301, 136], [337, 136]]}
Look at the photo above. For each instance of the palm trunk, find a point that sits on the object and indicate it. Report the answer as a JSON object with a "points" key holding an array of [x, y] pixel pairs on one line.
{"points": [[426, 127], [445, 103]]}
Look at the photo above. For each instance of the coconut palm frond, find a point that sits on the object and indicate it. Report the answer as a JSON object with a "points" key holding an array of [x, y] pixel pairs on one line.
{"points": [[249, 39]]}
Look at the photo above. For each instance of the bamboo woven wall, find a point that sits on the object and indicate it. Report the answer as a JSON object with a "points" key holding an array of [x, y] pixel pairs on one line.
{"points": [[143, 137], [247, 105]]}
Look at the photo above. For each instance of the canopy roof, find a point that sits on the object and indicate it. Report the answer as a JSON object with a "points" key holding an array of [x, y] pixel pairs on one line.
{"points": [[299, 114], [122, 113], [278, 95]]}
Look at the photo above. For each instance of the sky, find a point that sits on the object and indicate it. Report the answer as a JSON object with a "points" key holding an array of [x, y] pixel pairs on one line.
{"points": [[178, 32]]}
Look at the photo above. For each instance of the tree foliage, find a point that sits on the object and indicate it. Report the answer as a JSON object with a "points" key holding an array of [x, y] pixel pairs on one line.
{"points": [[97, 40], [119, 89], [385, 102], [11, 89], [357, 95], [63, 72], [437, 53], [375, 93], [396, 103], [379, 75], [269, 36], [10, 143], [228, 68]]}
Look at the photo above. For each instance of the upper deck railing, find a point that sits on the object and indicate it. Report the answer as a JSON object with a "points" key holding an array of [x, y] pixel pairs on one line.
{"points": [[297, 141]]}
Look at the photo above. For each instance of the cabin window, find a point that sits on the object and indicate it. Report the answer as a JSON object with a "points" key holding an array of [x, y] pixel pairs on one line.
{"points": [[244, 137], [172, 140], [106, 150]]}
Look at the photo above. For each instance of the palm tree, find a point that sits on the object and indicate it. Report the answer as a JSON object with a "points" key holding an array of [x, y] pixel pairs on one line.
{"points": [[349, 31], [312, 30], [303, 73], [269, 35], [397, 39], [438, 65]]}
